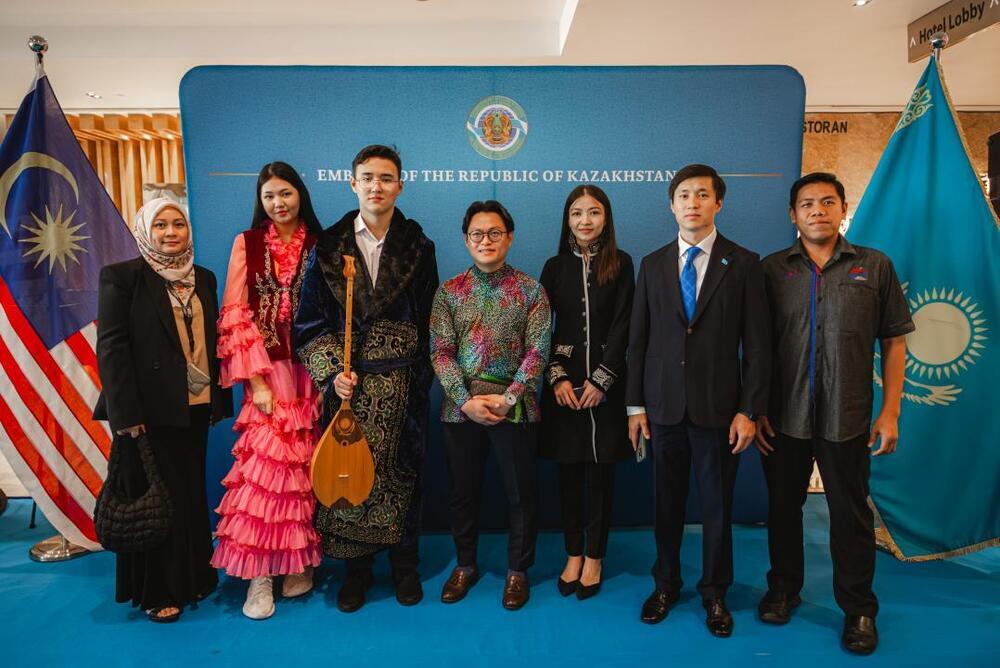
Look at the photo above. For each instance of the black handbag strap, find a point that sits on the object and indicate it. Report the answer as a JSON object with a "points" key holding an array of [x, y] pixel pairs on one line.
{"points": [[148, 461]]}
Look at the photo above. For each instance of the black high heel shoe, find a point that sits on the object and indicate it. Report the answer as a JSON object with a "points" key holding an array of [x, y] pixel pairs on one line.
{"points": [[567, 588], [584, 592]]}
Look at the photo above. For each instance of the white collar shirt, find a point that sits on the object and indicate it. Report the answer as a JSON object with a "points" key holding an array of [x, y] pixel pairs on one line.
{"points": [[700, 260], [370, 247]]}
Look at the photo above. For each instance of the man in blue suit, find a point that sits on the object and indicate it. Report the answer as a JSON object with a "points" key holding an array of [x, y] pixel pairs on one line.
{"points": [[698, 301]]}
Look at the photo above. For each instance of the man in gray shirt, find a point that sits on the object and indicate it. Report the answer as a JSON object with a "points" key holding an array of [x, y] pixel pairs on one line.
{"points": [[829, 301]]}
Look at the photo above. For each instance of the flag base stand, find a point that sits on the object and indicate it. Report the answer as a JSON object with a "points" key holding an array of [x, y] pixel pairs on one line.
{"points": [[56, 548]]}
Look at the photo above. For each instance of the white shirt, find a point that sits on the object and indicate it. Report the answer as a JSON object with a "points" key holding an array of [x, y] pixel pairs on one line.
{"points": [[700, 260], [370, 247], [700, 268]]}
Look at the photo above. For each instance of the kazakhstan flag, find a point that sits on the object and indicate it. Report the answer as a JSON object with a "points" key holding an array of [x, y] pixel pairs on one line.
{"points": [[939, 495]]}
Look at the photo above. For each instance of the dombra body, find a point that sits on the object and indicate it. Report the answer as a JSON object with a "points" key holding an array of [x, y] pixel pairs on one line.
{"points": [[342, 468]]}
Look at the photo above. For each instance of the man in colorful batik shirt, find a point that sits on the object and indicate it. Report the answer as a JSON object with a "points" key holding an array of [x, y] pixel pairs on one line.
{"points": [[490, 335]]}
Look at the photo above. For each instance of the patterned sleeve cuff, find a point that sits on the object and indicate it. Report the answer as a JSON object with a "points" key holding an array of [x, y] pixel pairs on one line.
{"points": [[555, 373], [562, 350], [322, 357], [603, 378]]}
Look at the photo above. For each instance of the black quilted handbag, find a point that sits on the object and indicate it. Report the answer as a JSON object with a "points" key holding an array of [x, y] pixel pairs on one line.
{"points": [[137, 524]]}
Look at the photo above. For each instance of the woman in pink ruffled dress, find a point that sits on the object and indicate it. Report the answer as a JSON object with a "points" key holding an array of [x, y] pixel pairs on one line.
{"points": [[266, 527]]}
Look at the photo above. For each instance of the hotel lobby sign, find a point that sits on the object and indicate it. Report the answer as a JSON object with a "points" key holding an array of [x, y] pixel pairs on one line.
{"points": [[958, 19]]}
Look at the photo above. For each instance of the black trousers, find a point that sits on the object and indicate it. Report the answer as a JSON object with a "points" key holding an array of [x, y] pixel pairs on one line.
{"points": [[676, 449], [404, 556], [845, 468], [466, 446], [599, 482]]}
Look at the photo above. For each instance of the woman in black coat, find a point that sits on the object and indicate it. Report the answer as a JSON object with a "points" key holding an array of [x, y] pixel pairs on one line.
{"points": [[584, 426], [160, 377]]}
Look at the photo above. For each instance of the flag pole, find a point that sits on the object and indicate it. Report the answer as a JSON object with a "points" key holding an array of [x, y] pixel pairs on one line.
{"points": [[38, 45], [939, 41], [55, 548]]}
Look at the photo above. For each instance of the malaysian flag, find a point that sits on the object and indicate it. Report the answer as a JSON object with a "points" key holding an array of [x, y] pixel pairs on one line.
{"points": [[58, 227]]}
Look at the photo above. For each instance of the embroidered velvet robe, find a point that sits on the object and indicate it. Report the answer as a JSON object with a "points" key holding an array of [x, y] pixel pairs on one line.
{"points": [[390, 354]]}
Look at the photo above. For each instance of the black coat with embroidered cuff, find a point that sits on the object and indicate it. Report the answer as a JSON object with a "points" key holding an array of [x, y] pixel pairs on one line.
{"points": [[601, 433], [390, 352]]}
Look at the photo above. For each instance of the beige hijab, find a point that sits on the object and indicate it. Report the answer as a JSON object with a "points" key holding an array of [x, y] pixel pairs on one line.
{"points": [[177, 269]]}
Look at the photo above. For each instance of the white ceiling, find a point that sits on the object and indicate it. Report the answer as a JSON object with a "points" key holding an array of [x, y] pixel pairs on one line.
{"points": [[134, 52]]}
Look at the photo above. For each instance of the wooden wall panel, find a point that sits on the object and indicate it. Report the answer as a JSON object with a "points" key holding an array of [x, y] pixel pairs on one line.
{"points": [[850, 144], [127, 151]]}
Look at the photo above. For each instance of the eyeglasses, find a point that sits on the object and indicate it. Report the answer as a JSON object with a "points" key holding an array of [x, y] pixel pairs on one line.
{"points": [[367, 181], [476, 236]]}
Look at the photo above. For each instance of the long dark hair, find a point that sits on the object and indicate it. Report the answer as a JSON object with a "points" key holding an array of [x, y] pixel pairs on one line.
{"points": [[285, 172], [606, 263]]}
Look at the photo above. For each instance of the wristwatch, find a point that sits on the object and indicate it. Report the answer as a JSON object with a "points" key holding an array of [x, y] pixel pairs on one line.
{"points": [[509, 398]]}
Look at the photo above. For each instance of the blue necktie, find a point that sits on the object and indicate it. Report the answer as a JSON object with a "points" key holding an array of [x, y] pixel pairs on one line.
{"points": [[689, 282]]}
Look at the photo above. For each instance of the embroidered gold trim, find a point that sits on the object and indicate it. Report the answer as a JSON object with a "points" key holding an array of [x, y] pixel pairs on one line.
{"points": [[322, 357], [885, 541], [390, 339]]}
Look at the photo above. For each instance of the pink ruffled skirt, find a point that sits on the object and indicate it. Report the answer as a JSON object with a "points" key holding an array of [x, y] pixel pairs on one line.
{"points": [[267, 510]]}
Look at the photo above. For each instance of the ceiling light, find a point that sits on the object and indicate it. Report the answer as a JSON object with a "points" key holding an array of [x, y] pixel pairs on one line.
{"points": [[96, 96], [861, 3]]}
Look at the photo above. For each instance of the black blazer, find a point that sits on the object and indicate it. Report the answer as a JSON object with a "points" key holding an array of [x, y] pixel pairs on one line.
{"points": [[139, 356], [676, 367]]}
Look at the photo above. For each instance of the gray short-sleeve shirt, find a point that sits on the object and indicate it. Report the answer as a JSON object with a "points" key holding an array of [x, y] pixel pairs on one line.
{"points": [[825, 322]]}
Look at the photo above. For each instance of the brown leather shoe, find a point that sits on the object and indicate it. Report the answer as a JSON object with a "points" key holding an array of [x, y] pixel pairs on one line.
{"points": [[515, 592], [860, 635], [718, 618], [458, 585]]}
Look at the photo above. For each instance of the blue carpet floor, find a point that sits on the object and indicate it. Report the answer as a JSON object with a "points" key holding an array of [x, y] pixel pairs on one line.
{"points": [[932, 613]]}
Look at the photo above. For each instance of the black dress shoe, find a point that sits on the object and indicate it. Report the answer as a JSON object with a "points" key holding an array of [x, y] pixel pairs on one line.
{"points": [[515, 592], [860, 635], [776, 607], [719, 621], [567, 588], [351, 596], [458, 585], [408, 589], [656, 607], [583, 592]]}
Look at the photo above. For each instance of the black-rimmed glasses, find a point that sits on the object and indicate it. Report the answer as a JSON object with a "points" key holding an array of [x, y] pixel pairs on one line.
{"points": [[476, 236]]}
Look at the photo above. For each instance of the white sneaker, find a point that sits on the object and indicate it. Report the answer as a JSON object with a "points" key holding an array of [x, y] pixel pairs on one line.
{"points": [[297, 584], [260, 599]]}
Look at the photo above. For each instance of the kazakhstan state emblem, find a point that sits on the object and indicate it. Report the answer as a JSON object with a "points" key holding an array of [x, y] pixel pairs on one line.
{"points": [[497, 127], [951, 335]]}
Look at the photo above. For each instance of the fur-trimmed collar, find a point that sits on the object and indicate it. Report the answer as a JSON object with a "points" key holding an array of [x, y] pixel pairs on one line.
{"points": [[405, 245]]}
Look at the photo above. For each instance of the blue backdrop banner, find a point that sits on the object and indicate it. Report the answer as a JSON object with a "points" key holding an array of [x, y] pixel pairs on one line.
{"points": [[523, 135]]}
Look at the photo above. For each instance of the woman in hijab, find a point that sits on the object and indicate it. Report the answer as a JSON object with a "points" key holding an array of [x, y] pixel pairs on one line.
{"points": [[157, 363]]}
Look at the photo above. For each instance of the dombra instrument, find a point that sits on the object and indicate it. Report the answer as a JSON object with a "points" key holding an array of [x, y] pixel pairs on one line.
{"points": [[342, 468]]}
